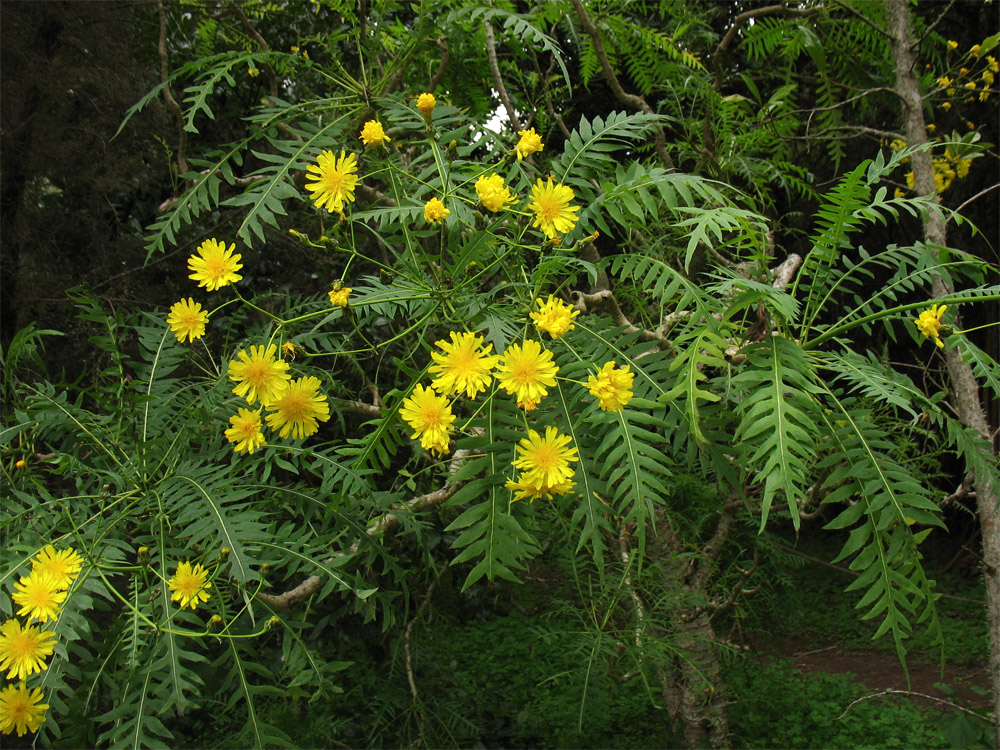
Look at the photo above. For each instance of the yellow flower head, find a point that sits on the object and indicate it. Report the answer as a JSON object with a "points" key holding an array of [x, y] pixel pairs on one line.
{"points": [[288, 351], [554, 317], [929, 323], [529, 143], [493, 194], [544, 465], [214, 266], [984, 95], [336, 178], [952, 44], [40, 596], [426, 104], [612, 387], [464, 366], [21, 464], [373, 134], [974, 50], [299, 409], [21, 709], [190, 585], [246, 431], [991, 63], [434, 211], [945, 106], [64, 565], [931, 127], [339, 294], [988, 77], [971, 85], [23, 650], [527, 372], [187, 320], [963, 72], [898, 193], [430, 417], [259, 375], [944, 82], [553, 214]]}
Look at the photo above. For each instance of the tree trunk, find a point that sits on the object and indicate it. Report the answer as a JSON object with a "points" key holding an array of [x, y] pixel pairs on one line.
{"points": [[964, 388]]}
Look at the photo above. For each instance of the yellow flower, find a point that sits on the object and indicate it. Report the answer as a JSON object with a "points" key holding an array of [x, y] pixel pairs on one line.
{"points": [[971, 125], [246, 431], [527, 372], [339, 294], [23, 650], [554, 317], [898, 193], [984, 95], [434, 211], [39, 596], [21, 464], [553, 214], [299, 409], [992, 64], [253, 72], [929, 323], [214, 266], [931, 127], [963, 72], [988, 77], [971, 85], [492, 192], [260, 375], [464, 366], [911, 180], [20, 709], [944, 82], [64, 565], [529, 143], [430, 417], [426, 103], [962, 167], [974, 50], [288, 351], [945, 106], [373, 133], [612, 387], [190, 585], [544, 465], [335, 180], [187, 320], [952, 44]]}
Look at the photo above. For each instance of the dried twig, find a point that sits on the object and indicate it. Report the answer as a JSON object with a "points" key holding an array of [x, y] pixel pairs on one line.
{"points": [[910, 694]]}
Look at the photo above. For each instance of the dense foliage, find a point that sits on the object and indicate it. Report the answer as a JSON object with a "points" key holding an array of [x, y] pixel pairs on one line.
{"points": [[414, 356]]}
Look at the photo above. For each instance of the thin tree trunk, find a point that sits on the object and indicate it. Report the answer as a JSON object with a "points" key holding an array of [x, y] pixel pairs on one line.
{"points": [[965, 390]]}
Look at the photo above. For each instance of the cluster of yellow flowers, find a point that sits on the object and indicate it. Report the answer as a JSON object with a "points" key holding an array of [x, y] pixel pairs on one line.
{"points": [[525, 371], [24, 648], [929, 323], [296, 405], [335, 180], [947, 168], [966, 78]]}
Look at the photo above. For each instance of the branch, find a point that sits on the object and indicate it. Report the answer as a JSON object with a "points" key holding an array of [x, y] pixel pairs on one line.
{"points": [[168, 95], [629, 100], [606, 299], [491, 53], [909, 694], [742, 18], [432, 84]]}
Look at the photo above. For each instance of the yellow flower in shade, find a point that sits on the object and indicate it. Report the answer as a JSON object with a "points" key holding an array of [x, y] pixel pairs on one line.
{"points": [[434, 211], [898, 193], [430, 417], [21, 464], [464, 366], [944, 82], [529, 143], [962, 167], [544, 465], [554, 317], [911, 180], [299, 409], [963, 72], [214, 266], [527, 372], [64, 565], [339, 295], [21, 709], [40, 596], [945, 106], [260, 375], [931, 127], [493, 194], [373, 134], [246, 431], [187, 320], [988, 77], [335, 180], [952, 44], [929, 323], [612, 387], [974, 50], [553, 214], [971, 85], [190, 585], [23, 650], [426, 104], [984, 95], [992, 64]]}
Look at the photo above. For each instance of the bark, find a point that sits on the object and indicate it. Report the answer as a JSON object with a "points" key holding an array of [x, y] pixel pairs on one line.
{"points": [[965, 390]]}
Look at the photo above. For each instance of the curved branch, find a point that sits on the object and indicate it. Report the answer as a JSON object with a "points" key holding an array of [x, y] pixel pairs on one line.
{"points": [[168, 96], [491, 54]]}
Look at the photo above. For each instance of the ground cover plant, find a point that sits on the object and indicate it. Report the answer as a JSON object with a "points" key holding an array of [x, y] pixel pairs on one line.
{"points": [[411, 353]]}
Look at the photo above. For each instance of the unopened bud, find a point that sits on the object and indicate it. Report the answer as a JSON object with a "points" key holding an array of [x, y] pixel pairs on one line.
{"points": [[21, 464], [215, 623], [274, 622], [224, 553], [142, 554], [265, 569], [452, 151]]}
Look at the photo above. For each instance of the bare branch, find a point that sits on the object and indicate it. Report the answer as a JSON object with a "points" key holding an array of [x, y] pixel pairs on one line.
{"points": [[909, 694], [168, 96], [491, 54]]}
